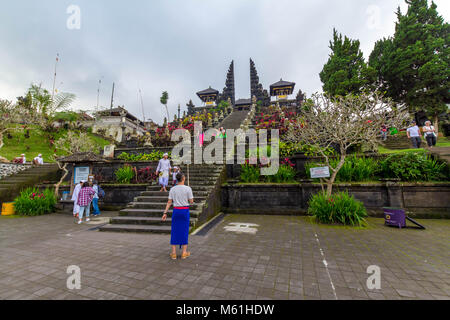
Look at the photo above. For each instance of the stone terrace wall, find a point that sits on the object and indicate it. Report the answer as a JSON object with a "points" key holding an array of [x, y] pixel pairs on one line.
{"points": [[424, 200], [8, 169]]}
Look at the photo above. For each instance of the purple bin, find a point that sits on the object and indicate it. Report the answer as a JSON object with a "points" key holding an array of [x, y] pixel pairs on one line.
{"points": [[395, 217]]}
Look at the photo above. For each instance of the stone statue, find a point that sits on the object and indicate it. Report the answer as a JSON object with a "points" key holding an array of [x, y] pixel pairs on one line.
{"points": [[148, 140]]}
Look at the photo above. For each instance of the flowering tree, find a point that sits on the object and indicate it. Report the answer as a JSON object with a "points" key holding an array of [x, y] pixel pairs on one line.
{"points": [[344, 121], [69, 144], [13, 117]]}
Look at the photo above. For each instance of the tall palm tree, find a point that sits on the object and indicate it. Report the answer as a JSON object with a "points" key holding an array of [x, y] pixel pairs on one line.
{"points": [[164, 99]]}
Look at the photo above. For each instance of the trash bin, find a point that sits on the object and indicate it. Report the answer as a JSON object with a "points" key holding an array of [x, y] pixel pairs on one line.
{"points": [[395, 217], [65, 195], [8, 209]]}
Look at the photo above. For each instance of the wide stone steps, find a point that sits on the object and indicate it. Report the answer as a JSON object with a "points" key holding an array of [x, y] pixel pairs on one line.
{"points": [[136, 228], [194, 189], [162, 199], [135, 212], [198, 193], [154, 205], [12, 185], [145, 221]]}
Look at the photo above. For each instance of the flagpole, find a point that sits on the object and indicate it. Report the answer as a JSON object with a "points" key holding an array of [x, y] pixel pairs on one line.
{"points": [[54, 77]]}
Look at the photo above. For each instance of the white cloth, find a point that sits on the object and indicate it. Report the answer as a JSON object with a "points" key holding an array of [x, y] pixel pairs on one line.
{"points": [[181, 194], [414, 131], [39, 160], [164, 166], [76, 192], [174, 176], [95, 187], [431, 128]]}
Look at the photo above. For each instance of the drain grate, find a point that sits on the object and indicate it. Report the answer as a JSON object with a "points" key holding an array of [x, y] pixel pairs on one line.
{"points": [[203, 232]]}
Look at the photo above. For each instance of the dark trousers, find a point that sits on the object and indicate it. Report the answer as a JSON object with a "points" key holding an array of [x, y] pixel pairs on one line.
{"points": [[431, 140], [416, 142]]}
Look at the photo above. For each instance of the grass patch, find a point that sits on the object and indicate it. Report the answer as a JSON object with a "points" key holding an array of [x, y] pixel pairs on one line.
{"points": [[37, 143]]}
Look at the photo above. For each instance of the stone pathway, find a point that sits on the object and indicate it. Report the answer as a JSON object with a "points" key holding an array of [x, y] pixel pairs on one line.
{"points": [[243, 257]]}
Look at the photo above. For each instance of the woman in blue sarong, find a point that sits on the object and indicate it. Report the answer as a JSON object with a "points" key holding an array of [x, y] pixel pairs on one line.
{"points": [[181, 197]]}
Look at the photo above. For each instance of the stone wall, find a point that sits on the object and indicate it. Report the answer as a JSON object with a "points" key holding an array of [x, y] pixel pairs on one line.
{"points": [[8, 169], [425, 200], [116, 196]]}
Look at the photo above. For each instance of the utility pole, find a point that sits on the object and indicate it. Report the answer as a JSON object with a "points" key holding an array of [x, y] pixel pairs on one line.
{"points": [[98, 94], [112, 98], [142, 105], [54, 77]]}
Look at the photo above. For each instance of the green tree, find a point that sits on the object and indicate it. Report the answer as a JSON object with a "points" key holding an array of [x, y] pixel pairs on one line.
{"points": [[346, 71], [413, 65], [164, 99]]}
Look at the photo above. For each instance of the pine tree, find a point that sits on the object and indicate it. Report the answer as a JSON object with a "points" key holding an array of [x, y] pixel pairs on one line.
{"points": [[413, 65], [346, 71]]}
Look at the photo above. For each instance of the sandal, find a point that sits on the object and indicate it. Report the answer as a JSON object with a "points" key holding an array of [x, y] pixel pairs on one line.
{"points": [[173, 256], [184, 256]]}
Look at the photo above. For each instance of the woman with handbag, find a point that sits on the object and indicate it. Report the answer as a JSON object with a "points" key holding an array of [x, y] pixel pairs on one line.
{"points": [[429, 134]]}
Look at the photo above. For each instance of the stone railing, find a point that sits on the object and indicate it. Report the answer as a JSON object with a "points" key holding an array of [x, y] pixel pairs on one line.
{"points": [[9, 169]]}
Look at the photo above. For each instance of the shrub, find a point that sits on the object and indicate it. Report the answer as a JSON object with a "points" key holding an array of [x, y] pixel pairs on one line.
{"points": [[413, 166], [124, 174], [338, 208], [354, 169], [286, 173], [153, 156], [32, 202], [145, 175], [250, 173]]}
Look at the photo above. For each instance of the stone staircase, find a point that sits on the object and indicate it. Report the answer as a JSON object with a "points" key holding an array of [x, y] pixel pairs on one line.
{"points": [[397, 142], [234, 120], [143, 215], [145, 212], [11, 186]]}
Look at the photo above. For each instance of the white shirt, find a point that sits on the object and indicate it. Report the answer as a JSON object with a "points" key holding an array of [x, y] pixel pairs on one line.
{"points": [[76, 191], [95, 187], [430, 132], [164, 165], [180, 194], [413, 131], [40, 160]]}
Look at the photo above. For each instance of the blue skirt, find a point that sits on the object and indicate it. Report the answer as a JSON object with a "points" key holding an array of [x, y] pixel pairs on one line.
{"points": [[180, 226]]}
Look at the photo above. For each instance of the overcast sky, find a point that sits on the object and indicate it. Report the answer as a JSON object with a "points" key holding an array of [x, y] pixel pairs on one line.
{"points": [[182, 46]]}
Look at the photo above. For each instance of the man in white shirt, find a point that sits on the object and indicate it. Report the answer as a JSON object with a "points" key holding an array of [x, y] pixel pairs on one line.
{"points": [[413, 134], [38, 160], [76, 191]]}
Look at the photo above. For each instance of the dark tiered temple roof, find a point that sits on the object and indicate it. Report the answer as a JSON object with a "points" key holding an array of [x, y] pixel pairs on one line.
{"points": [[208, 91], [282, 84], [82, 157]]}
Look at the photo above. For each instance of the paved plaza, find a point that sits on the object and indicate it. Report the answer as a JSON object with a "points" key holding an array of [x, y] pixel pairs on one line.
{"points": [[242, 257]]}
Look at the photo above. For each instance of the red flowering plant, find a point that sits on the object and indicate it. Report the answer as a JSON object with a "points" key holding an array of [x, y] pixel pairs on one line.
{"points": [[33, 202]]}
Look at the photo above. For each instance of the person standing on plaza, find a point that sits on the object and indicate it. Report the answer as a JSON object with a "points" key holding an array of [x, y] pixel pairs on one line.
{"points": [[96, 210], [180, 196], [76, 192], [413, 134], [163, 170], [84, 201], [429, 134]]}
